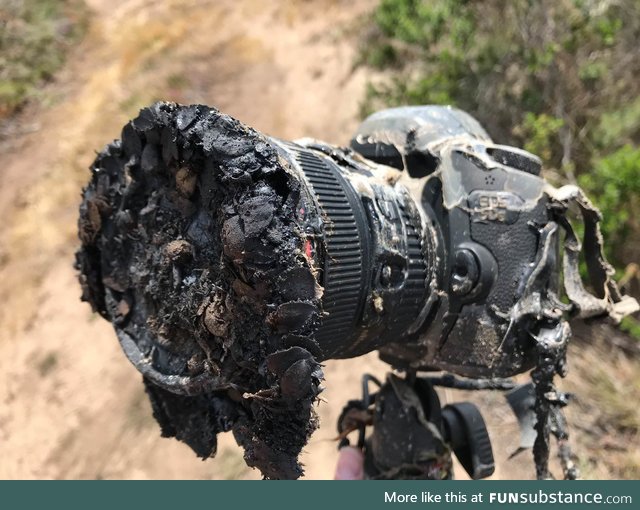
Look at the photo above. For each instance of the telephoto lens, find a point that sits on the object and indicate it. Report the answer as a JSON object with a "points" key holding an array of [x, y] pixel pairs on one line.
{"points": [[231, 263]]}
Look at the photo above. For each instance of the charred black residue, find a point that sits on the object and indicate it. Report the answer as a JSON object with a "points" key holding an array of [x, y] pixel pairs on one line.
{"points": [[191, 250]]}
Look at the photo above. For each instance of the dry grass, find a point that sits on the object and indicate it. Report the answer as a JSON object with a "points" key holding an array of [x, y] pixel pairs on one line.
{"points": [[606, 414]]}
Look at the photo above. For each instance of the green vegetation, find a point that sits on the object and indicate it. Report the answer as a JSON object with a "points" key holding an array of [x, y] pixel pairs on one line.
{"points": [[34, 36], [557, 77]]}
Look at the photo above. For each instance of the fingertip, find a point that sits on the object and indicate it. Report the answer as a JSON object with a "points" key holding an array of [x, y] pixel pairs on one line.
{"points": [[350, 464]]}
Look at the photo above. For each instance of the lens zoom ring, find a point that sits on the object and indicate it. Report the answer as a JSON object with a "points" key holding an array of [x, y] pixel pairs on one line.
{"points": [[344, 238], [416, 284]]}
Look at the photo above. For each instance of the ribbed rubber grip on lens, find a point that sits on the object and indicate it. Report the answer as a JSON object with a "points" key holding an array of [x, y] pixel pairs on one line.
{"points": [[345, 240], [416, 284]]}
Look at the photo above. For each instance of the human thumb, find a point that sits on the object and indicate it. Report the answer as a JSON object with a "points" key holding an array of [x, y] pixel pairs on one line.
{"points": [[350, 464]]}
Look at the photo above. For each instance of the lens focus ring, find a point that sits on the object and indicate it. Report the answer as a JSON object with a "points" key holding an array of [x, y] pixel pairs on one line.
{"points": [[346, 236]]}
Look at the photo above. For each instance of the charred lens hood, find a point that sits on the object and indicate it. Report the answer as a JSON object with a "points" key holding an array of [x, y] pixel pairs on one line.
{"points": [[230, 264]]}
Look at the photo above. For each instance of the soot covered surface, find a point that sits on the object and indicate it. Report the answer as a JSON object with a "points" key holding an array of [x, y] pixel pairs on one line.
{"points": [[190, 248]]}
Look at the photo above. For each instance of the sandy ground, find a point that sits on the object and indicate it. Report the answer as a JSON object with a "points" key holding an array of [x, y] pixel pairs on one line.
{"points": [[71, 405]]}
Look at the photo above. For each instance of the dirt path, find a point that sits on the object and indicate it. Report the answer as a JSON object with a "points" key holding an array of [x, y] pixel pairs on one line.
{"points": [[71, 406]]}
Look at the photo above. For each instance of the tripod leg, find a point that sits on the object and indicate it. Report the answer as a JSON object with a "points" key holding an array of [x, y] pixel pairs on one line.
{"points": [[552, 348]]}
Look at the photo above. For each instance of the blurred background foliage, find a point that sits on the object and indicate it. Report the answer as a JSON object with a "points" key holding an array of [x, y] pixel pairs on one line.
{"points": [[560, 78], [34, 35]]}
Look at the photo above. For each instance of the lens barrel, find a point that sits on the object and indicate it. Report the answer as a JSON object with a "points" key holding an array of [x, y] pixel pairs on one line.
{"points": [[374, 256]]}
